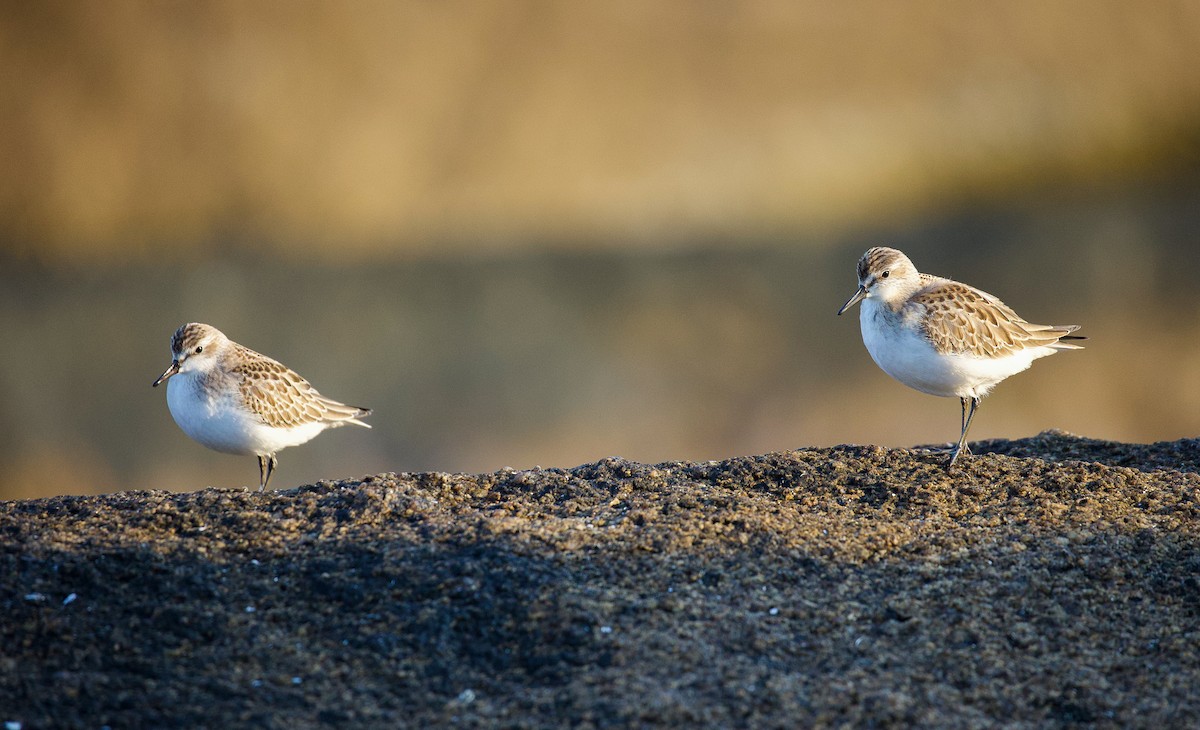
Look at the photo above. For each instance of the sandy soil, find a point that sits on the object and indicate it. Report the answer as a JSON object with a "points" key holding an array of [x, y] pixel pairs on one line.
{"points": [[1048, 581]]}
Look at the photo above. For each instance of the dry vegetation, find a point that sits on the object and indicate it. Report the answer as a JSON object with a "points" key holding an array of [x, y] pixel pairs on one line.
{"points": [[374, 125]]}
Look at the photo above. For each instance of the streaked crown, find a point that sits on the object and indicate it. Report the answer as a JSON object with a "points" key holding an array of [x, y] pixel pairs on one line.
{"points": [[194, 335], [882, 259]]}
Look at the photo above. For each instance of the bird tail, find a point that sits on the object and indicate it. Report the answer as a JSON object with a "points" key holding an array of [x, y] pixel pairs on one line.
{"points": [[360, 413], [1067, 329], [339, 414]]}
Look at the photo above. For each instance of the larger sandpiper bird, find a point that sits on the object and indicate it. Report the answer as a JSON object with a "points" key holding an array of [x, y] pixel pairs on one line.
{"points": [[942, 337], [237, 401]]}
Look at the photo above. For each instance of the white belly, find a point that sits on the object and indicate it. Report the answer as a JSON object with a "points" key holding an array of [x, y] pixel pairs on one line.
{"points": [[908, 357], [222, 424]]}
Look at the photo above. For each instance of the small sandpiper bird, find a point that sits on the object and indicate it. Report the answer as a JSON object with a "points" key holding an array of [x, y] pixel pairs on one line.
{"points": [[237, 401], [942, 337]]}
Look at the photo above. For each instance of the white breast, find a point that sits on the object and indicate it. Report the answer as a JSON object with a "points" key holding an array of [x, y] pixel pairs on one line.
{"points": [[902, 352], [219, 421]]}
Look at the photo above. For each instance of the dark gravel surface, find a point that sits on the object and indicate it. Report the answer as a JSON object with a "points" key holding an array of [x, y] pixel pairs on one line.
{"points": [[1048, 581]]}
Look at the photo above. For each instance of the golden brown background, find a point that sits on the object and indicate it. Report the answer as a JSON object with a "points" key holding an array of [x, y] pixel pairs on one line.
{"points": [[543, 233]]}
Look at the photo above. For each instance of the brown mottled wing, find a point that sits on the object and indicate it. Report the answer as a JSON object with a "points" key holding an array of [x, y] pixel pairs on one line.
{"points": [[961, 319], [284, 399]]}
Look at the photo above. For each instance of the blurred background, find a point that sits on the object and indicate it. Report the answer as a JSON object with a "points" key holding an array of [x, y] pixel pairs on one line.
{"points": [[540, 233]]}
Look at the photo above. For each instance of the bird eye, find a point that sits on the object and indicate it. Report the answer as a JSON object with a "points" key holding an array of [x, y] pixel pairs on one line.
{"points": [[199, 349], [885, 274]]}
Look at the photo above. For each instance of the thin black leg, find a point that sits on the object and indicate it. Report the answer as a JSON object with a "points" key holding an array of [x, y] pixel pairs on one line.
{"points": [[266, 465], [962, 439], [270, 463]]}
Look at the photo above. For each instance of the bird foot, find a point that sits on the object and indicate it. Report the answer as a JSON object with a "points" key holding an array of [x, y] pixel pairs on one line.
{"points": [[955, 452]]}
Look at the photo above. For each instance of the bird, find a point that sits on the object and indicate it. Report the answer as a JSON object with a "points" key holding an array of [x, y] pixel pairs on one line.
{"points": [[943, 337], [237, 401]]}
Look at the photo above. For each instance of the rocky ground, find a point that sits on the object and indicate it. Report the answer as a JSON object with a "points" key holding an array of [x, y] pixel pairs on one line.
{"points": [[1047, 581]]}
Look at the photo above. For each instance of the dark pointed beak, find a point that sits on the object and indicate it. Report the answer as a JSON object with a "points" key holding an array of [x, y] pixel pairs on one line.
{"points": [[858, 296], [166, 374]]}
